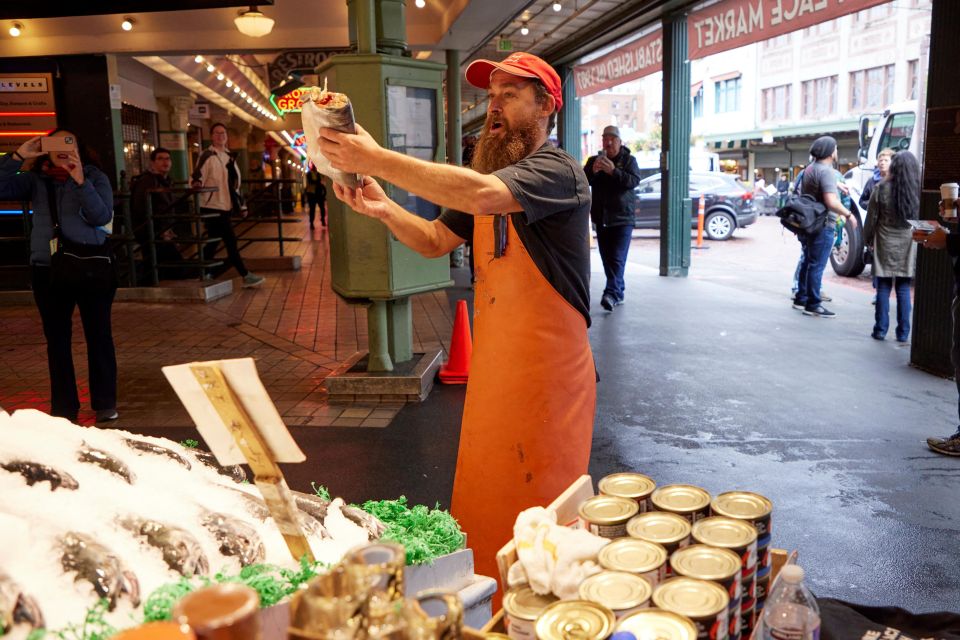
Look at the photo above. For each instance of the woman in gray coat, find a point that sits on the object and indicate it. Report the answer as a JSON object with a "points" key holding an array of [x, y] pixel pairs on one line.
{"points": [[893, 202]]}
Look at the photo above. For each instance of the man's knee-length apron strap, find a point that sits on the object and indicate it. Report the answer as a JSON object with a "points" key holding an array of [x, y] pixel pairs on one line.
{"points": [[528, 417]]}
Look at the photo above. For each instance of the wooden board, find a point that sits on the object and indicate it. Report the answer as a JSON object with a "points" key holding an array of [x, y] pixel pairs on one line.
{"points": [[566, 506]]}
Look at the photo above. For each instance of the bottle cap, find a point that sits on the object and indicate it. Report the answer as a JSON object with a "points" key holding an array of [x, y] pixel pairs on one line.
{"points": [[792, 573]]}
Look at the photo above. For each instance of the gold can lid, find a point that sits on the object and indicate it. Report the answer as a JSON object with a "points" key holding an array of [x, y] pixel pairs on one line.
{"points": [[608, 509], [575, 620], [627, 485], [632, 555], [526, 604], [616, 590], [680, 498], [743, 505], [496, 636], [693, 598], [705, 563], [730, 533], [659, 526], [656, 624]]}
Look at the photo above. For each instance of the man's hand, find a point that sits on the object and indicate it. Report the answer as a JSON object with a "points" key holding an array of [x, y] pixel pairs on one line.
{"points": [[369, 199], [852, 221], [30, 148], [75, 167], [936, 239], [350, 152], [843, 188], [605, 164], [244, 212]]}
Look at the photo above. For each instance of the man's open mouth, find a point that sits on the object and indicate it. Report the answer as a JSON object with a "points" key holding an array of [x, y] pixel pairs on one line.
{"points": [[494, 126]]}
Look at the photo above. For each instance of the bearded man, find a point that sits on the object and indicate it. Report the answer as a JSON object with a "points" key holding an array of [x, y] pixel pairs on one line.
{"points": [[528, 418]]}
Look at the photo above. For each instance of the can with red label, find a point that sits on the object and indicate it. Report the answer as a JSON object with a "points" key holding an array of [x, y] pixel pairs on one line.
{"points": [[693, 503], [748, 617], [607, 516], [745, 505], [634, 486], [639, 557], [705, 603], [716, 565], [669, 530], [727, 533]]}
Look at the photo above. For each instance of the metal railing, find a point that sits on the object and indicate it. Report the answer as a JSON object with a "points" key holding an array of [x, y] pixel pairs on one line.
{"points": [[267, 203]]}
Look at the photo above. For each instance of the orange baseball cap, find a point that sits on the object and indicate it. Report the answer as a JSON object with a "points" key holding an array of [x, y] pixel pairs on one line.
{"points": [[525, 65]]}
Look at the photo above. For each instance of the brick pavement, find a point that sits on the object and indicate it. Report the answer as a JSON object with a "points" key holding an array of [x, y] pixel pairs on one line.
{"points": [[295, 326]]}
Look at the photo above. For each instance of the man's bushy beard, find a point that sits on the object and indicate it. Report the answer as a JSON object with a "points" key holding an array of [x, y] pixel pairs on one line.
{"points": [[493, 153]]}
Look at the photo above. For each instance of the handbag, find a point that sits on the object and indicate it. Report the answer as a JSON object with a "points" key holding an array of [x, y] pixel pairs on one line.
{"points": [[75, 265]]}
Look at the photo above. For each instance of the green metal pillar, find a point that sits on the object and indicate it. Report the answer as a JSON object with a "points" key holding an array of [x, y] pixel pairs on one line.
{"points": [[454, 133], [364, 12], [569, 119], [675, 158], [378, 337], [400, 329]]}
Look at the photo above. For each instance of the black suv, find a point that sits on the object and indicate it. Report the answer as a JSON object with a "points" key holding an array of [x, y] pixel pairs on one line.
{"points": [[728, 203]]}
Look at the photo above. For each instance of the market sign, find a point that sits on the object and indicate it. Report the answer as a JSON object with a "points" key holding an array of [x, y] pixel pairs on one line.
{"points": [[288, 103], [729, 24], [27, 108], [726, 25], [634, 60]]}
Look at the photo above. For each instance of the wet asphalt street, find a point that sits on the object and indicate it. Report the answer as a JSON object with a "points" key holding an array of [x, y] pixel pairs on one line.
{"points": [[714, 380]]}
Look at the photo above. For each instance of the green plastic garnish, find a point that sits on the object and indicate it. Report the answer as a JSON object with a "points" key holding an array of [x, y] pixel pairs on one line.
{"points": [[425, 533], [190, 443]]}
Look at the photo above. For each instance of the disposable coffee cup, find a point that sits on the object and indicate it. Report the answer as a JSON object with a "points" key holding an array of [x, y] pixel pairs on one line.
{"points": [[949, 192]]}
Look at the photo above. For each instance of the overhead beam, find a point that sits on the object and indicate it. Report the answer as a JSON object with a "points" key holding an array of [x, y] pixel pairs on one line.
{"points": [[72, 8]]}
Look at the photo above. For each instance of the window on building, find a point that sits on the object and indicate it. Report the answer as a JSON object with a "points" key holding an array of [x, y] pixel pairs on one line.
{"points": [[822, 29], [777, 42], [775, 103], [913, 79], [873, 14], [871, 88], [819, 97], [698, 103], [139, 128], [615, 105], [727, 95]]}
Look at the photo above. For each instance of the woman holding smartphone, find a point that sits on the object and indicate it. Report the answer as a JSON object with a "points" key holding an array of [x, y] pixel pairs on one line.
{"points": [[893, 203], [63, 176]]}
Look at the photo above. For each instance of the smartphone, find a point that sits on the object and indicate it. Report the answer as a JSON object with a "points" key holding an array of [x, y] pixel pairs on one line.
{"points": [[923, 226], [58, 143]]}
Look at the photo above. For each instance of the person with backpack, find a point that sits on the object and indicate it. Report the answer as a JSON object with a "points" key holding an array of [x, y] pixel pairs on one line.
{"points": [[819, 181]]}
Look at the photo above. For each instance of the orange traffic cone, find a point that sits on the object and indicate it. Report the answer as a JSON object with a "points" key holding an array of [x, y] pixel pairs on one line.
{"points": [[457, 369]]}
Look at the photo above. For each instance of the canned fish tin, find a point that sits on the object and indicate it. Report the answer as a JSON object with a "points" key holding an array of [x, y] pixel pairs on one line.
{"points": [[705, 603], [709, 563], [727, 533], [655, 624], [521, 606], [744, 505], [763, 588], [646, 559], [634, 486], [621, 592], [763, 552], [607, 516], [693, 503], [575, 620], [666, 529], [748, 617]]}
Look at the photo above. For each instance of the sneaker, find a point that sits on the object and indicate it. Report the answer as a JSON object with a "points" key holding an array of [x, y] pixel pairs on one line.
{"points": [[824, 297], [619, 302], [607, 302], [820, 312], [799, 306], [252, 280], [876, 335], [947, 446], [107, 415]]}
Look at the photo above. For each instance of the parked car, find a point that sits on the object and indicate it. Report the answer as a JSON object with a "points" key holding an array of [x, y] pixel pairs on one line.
{"points": [[728, 206]]}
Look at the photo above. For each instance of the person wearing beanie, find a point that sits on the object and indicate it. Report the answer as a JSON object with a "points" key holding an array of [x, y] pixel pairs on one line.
{"points": [[819, 181], [526, 205]]}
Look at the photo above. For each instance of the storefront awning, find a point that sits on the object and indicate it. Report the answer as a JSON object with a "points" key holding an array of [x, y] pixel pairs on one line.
{"points": [[740, 139], [695, 88], [726, 76]]}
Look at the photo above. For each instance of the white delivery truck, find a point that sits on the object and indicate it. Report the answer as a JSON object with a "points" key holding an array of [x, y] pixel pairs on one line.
{"points": [[896, 128]]}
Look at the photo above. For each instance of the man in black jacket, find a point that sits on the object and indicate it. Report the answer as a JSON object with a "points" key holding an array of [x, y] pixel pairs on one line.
{"points": [[613, 175], [162, 203], [942, 239]]}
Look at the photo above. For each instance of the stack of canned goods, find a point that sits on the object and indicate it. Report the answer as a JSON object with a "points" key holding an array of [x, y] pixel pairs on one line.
{"points": [[704, 565], [757, 510]]}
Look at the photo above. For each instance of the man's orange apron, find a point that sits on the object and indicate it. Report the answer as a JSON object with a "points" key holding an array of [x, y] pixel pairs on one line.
{"points": [[528, 416]]}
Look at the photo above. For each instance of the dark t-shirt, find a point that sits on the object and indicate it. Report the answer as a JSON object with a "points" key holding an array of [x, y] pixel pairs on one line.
{"points": [[818, 179], [555, 196]]}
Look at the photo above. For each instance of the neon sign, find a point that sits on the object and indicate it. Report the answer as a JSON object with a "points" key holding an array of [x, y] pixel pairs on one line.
{"points": [[289, 103]]}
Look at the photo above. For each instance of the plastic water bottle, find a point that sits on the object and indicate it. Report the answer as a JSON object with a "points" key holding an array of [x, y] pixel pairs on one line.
{"points": [[791, 613]]}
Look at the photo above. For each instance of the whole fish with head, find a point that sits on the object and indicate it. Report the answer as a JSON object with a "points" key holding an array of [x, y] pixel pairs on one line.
{"points": [[97, 565], [181, 551], [34, 472], [17, 607], [312, 505], [107, 462], [156, 449], [236, 538], [254, 505], [373, 526], [234, 472]]}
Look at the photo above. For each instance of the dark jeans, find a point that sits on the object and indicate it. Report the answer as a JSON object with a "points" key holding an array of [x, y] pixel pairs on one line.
{"points": [[816, 252], [314, 201], [56, 305], [614, 243], [882, 312], [955, 351], [222, 227]]}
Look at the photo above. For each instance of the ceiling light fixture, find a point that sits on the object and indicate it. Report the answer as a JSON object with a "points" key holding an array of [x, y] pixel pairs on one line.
{"points": [[16, 29], [236, 89], [229, 83], [253, 23], [557, 6], [198, 59], [420, 4], [243, 94], [211, 68], [524, 30], [127, 24], [220, 76]]}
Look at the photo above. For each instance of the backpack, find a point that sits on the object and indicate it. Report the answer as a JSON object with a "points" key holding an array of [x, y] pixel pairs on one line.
{"points": [[803, 215]]}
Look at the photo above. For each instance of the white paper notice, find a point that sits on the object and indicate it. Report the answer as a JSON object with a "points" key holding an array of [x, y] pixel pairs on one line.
{"points": [[241, 375]]}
